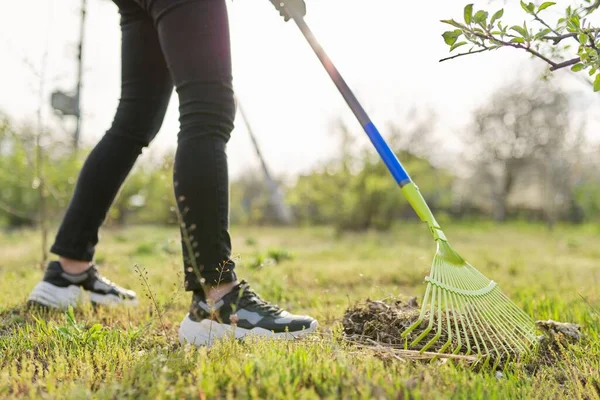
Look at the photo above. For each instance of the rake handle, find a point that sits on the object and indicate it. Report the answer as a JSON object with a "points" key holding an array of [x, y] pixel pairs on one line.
{"points": [[389, 158], [410, 190]]}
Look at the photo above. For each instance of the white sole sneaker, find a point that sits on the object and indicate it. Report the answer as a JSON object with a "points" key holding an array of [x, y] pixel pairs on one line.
{"points": [[206, 332], [48, 295], [110, 300]]}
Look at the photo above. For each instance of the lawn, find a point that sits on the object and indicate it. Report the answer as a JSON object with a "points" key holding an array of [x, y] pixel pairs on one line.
{"points": [[133, 352]]}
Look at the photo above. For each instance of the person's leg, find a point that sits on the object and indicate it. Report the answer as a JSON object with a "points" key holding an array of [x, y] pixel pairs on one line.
{"points": [[195, 40], [145, 92], [194, 35]]}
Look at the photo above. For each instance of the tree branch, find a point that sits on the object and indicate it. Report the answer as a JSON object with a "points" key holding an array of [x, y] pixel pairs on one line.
{"points": [[592, 41], [465, 54], [559, 38], [493, 39], [20, 214], [537, 54], [541, 21], [564, 64], [593, 7], [496, 43]]}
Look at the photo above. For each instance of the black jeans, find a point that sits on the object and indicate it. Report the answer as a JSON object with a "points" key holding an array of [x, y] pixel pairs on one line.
{"points": [[165, 44]]}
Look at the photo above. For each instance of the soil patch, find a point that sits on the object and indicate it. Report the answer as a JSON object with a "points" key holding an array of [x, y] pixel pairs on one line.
{"points": [[381, 323]]}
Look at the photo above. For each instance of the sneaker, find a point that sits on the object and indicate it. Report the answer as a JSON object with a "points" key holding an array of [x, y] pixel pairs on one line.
{"points": [[60, 289], [240, 313]]}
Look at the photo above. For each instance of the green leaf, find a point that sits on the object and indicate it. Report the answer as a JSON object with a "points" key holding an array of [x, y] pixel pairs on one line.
{"points": [[70, 314], [542, 33], [455, 45], [524, 6], [592, 71], [468, 13], [519, 29], [480, 17], [95, 328], [452, 22], [597, 83], [517, 40], [496, 16], [582, 38], [583, 55], [529, 8], [545, 5], [577, 67], [573, 23], [64, 331], [451, 36]]}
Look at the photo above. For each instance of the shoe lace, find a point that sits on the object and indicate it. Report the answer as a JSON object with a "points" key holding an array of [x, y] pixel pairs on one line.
{"points": [[250, 297]]}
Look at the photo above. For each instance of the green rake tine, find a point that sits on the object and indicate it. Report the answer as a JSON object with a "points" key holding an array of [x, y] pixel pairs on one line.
{"points": [[501, 328], [421, 315], [417, 323], [499, 334], [462, 323], [430, 326], [519, 318], [487, 350], [452, 279], [449, 323], [459, 308], [487, 327], [439, 326], [469, 317], [516, 311], [448, 319], [494, 330], [438, 334], [456, 326], [510, 326], [500, 322]]}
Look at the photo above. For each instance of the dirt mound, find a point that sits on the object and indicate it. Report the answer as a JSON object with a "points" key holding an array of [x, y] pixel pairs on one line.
{"points": [[555, 338], [382, 323], [376, 321], [379, 323]]}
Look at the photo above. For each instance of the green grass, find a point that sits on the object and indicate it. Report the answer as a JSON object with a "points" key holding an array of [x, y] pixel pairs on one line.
{"points": [[133, 352]]}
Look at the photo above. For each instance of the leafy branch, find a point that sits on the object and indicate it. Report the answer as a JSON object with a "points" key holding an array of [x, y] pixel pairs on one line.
{"points": [[541, 39]]}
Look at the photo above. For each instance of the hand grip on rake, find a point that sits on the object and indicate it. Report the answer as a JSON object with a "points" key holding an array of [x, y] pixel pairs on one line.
{"points": [[410, 190]]}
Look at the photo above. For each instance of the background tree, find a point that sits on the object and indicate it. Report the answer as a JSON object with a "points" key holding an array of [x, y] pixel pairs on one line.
{"points": [[521, 143]]}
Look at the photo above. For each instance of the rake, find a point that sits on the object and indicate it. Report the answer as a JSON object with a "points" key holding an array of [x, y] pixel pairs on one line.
{"points": [[460, 304]]}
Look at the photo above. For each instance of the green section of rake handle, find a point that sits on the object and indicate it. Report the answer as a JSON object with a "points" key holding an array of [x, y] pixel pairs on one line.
{"points": [[416, 200]]}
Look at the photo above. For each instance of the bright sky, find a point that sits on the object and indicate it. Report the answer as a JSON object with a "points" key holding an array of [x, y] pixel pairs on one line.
{"points": [[387, 50]]}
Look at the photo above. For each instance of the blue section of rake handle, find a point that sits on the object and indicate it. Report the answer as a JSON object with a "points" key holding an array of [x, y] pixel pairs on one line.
{"points": [[388, 156]]}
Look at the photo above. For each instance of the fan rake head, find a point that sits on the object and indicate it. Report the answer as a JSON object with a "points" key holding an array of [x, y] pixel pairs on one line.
{"points": [[470, 312]]}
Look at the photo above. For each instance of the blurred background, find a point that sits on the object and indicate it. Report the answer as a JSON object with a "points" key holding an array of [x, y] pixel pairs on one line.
{"points": [[486, 137]]}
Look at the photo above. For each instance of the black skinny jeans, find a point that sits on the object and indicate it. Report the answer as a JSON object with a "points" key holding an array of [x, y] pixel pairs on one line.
{"points": [[165, 44]]}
